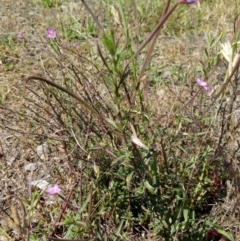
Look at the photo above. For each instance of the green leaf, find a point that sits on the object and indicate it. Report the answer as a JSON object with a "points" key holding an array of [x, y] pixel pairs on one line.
{"points": [[4, 233], [221, 231], [149, 187], [84, 205], [114, 124], [128, 179], [118, 230], [185, 214], [227, 235]]}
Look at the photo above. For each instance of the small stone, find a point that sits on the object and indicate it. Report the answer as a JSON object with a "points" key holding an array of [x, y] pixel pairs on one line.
{"points": [[41, 184], [30, 167], [42, 149]]}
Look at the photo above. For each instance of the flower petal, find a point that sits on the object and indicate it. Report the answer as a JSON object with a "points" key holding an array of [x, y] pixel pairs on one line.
{"points": [[51, 33], [203, 84], [75, 45], [191, 1], [54, 190], [20, 36], [187, 1]]}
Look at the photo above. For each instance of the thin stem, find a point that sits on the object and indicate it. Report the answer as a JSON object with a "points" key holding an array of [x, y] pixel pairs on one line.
{"points": [[92, 14], [61, 214], [90, 203], [72, 94], [147, 56], [154, 31], [225, 85], [68, 203], [188, 102], [196, 32]]}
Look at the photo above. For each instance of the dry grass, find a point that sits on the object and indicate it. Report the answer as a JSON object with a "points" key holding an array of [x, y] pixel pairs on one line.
{"points": [[30, 117]]}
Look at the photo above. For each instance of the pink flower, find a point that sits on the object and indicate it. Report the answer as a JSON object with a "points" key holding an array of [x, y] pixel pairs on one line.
{"points": [[54, 190], [188, 1], [51, 33], [20, 36], [203, 84], [74, 45]]}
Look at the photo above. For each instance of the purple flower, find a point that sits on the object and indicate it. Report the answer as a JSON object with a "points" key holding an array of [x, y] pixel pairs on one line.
{"points": [[54, 190], [20, 36], [203, 84], [51, 33], [188, 1], [75, 45]]}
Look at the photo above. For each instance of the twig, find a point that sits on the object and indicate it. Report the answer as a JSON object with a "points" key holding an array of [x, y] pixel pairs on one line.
{"points": [[92, 14]]}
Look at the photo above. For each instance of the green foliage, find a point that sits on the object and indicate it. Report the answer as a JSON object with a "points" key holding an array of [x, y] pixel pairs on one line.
{"points": [[140, 170], [48, 3]]}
